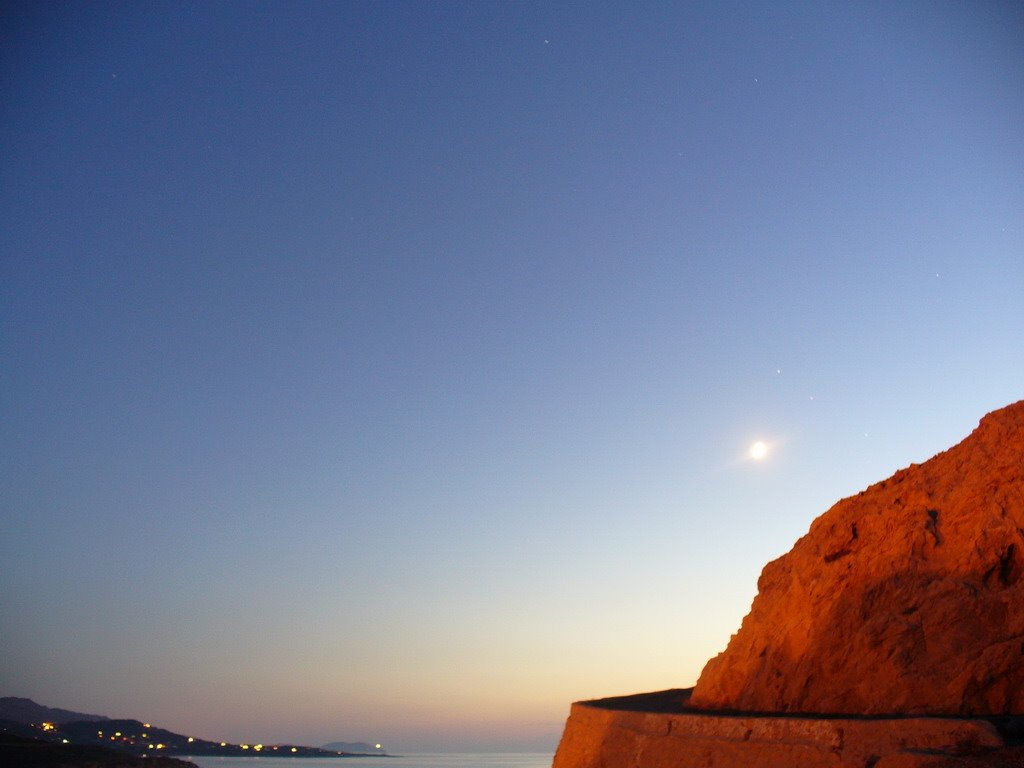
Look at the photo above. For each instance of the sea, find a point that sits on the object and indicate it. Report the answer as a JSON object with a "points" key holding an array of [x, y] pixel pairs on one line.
{"points": [[451, 760]]}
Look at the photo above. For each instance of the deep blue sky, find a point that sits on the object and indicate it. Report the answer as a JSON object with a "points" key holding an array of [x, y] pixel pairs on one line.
{"points": [[386, 370]]}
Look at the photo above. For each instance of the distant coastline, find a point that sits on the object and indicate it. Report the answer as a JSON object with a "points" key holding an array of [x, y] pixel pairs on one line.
{"points": [[24, 719]]}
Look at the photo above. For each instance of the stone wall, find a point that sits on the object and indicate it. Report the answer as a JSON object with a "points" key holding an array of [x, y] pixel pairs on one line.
{"points": [[622, 733]]}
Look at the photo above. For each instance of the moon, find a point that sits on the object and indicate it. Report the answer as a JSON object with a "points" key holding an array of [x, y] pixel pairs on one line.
{"points": [[759, 450]]}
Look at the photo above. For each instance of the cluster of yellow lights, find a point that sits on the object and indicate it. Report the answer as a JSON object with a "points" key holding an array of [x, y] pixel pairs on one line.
{"points": [[49, 727], [118, 734]]}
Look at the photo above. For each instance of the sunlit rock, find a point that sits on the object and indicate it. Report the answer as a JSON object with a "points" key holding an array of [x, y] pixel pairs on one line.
{"points": [[905, 598], [890, 636]]}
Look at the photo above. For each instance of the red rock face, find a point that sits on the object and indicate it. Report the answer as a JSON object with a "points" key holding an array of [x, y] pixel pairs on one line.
{"points": [[907, 598]]}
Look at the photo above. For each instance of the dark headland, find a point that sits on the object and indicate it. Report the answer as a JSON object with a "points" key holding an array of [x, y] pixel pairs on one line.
{"points": [[27, 752]]}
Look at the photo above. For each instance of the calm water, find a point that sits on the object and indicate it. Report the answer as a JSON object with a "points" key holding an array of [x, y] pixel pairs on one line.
{"points": [[460, 760]]}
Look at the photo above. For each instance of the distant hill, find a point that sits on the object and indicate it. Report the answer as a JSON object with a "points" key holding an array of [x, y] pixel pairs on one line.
{"points": [[24, 718], [27, 711], [352, 747]]}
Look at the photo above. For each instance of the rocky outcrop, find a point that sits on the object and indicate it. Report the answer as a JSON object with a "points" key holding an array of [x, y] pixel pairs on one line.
{"points": [[891, 636], [906, 598]]}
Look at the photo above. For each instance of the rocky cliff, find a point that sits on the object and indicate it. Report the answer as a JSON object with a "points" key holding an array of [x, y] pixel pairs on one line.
{"points": [[906, 598], [891, 636]]}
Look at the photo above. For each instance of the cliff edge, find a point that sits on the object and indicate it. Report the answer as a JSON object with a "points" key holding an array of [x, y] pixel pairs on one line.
{"points": [[906, 598]]}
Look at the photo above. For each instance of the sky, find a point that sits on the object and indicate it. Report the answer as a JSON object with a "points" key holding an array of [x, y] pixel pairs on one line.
{"points": [[387, 371]]}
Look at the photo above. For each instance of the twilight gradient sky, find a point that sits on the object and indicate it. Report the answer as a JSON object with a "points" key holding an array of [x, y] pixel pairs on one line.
{"points": [[385, 370]]}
